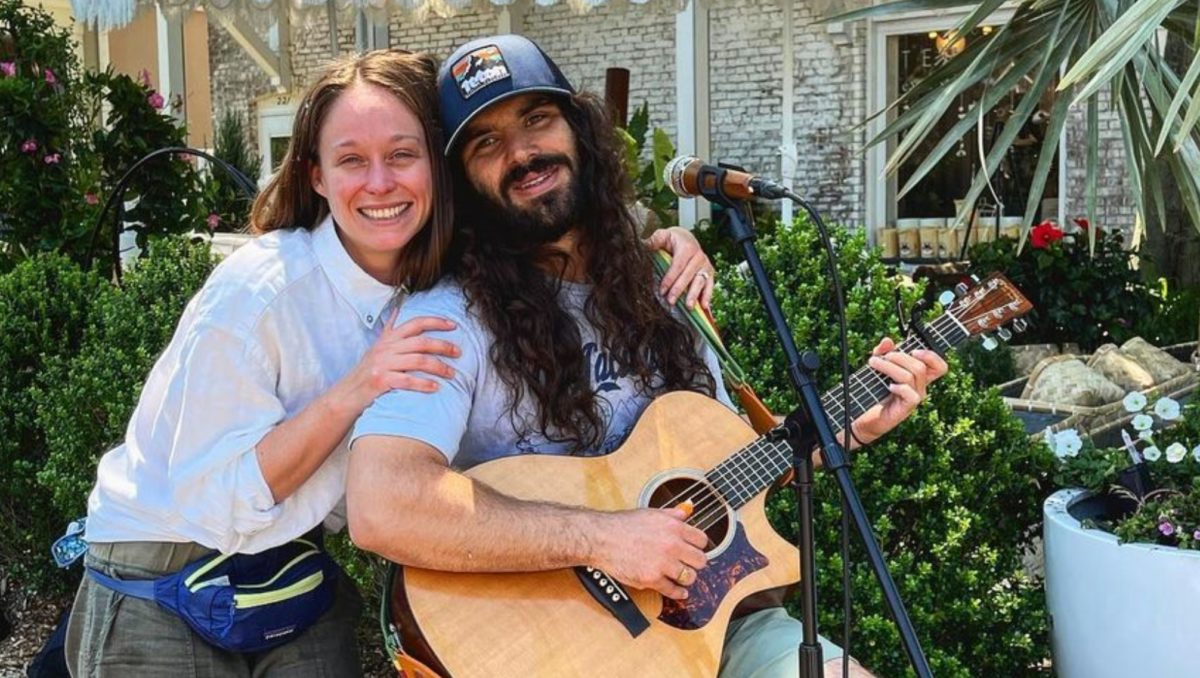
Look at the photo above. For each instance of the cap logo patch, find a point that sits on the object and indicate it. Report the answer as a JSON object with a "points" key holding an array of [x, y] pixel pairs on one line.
{"points": [[479, 69]]}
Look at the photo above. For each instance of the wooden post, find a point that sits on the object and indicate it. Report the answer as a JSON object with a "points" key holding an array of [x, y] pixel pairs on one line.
{"points": [[616, 94]]}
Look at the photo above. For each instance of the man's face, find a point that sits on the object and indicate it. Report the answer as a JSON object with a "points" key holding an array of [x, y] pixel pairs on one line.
{"points": [[520, 154]]}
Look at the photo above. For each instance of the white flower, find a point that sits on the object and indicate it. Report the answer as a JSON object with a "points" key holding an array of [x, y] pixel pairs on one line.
{"points": [[1067, 443], [1146, 435], [1152, 453], [1175, 453], [1196, 453], [1167, 409], [1143, 422], [1135, 401]]}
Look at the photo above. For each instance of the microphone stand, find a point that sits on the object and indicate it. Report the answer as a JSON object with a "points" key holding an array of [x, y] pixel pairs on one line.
{"points": [[809, 424]]}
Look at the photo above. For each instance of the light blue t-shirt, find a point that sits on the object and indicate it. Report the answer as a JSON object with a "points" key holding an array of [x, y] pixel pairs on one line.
{"points": [[470, 418]]}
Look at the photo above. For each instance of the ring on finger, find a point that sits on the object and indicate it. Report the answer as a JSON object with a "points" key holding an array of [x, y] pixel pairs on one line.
{"points": [[703, 274], [685, 576]]}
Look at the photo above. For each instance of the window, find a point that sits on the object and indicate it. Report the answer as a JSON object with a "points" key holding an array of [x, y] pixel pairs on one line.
{"points": [[275, 115], [923, 224]]}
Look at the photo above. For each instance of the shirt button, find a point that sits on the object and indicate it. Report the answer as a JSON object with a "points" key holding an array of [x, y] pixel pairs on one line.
{"points": [[370, 318]]}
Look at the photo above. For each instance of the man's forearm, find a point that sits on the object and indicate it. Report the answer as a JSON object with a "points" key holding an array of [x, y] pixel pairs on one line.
{"points": [[406, 505]]}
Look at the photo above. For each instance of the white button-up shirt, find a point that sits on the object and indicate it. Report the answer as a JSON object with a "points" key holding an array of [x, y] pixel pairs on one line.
{"points": [[276, 324]]}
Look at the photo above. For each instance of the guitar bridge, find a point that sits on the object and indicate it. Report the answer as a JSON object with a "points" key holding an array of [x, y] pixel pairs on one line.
{"points": [[613, 598]]}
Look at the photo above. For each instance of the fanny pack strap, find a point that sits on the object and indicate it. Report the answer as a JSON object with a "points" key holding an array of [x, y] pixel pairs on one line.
{"points": [[134, 588]]}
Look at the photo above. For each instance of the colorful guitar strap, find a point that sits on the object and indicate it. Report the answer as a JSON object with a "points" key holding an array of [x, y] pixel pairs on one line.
{"points": [[735, 377]]}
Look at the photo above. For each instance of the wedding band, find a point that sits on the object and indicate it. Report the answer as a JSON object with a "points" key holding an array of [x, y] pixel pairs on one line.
{"points": [[684, 578], [702, 274]]}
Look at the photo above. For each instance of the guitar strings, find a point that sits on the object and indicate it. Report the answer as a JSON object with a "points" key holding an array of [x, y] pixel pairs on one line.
{"points": [[709, 509], [712, 513]]}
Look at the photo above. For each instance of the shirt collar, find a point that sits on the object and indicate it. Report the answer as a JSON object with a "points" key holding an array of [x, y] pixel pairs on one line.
{"points": [[368, 296]]}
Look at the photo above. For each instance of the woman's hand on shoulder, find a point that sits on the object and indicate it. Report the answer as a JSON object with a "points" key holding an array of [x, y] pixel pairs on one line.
{"points": [[402, 358], [691, 272]]}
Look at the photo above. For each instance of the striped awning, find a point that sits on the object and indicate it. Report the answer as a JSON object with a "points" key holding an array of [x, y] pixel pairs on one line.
{"points": [[108, 14]]}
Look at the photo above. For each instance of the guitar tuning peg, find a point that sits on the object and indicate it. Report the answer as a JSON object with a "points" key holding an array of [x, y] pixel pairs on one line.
{"points": [[1020, 325], [961, 288], [989, 344], [1004, 334], [975, 278], [946, 298]]}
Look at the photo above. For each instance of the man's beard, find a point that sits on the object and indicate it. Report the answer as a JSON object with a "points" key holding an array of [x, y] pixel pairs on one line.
{"points": [[547, 218]]}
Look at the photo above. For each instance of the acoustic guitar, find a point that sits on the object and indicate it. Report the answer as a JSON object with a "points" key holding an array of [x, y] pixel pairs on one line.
{"points": [[685, 447]]}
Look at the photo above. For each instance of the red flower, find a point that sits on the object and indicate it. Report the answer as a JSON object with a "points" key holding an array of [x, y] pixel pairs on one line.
{"points": [[1044, 233], [1082, 223]]}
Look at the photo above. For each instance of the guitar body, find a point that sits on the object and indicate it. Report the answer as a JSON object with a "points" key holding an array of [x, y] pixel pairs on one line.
{"points": [[546, 623]]}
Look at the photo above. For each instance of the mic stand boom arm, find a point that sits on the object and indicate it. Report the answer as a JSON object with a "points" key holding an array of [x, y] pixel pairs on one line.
{"points": [[810, 423]]}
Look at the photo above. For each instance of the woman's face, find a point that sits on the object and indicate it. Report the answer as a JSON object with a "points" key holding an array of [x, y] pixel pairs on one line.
{"points": [[373, 168]]}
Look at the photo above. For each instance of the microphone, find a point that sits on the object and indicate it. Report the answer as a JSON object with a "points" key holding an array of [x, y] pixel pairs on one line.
{"points": [[688, 176]]}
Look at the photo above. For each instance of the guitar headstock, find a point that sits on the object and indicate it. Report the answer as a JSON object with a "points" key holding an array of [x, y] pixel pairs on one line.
{"points": [[989, 305]]}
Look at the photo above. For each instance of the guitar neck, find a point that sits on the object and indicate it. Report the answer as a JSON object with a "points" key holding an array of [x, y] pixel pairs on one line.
{"points": [[757, 466]]}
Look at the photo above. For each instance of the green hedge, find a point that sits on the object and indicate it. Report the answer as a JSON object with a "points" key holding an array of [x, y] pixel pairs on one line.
{"points": [[954, 493], [74, 351], [45, 304], [85, 399]]}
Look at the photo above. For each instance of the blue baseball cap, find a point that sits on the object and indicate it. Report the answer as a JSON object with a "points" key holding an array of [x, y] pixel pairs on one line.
{"points": [[487, 70]]}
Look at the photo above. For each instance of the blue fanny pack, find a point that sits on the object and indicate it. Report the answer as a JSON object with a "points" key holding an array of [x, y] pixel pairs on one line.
{"points": [[243, 602]]}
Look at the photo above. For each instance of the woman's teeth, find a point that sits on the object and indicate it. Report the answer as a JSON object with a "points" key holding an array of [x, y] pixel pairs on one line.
{"points": [[386, 213]]}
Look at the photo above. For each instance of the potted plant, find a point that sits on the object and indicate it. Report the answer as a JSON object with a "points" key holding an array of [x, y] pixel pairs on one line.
{"points": [[1122, 546]]}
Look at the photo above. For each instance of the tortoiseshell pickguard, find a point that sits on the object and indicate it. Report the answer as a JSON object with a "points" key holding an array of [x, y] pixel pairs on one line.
{"points": [[713, 583]]}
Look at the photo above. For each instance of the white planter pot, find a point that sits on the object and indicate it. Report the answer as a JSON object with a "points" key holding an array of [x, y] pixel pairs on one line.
{"points": [[1118, 610]]}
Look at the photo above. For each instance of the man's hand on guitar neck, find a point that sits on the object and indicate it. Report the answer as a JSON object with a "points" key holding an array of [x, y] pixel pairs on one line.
{"points": [[404, 503], [912, 374]]}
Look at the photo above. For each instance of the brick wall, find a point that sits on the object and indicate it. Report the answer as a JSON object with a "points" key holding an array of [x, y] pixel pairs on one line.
{"points": [[440, 35], [236, 80], [311, 45], [830, 85], [1115, 207]]}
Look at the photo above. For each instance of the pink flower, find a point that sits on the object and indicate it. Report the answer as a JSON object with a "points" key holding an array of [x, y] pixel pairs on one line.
{"points": [[155, 100], [213, 220], [8, 68], [1166, 528], [52, 159], [50, 77], [91, 198], [29, 146]]}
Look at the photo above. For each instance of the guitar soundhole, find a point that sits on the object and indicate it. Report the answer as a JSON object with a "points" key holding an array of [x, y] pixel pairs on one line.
{"points": [[710, 513]]}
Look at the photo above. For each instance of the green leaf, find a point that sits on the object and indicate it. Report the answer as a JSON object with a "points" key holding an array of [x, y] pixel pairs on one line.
{"points": [[1128, 35], [664, 151]]}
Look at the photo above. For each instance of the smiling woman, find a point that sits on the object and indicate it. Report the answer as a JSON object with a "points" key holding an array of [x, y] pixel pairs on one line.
{"points": [[373, 170], [235, 457]]}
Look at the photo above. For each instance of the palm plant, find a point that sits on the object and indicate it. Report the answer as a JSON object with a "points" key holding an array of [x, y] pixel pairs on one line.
{"points": [[1099, 44]]}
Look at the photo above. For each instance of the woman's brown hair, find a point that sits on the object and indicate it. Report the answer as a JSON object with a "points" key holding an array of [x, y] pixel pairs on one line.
{"points": [[289, 200]]}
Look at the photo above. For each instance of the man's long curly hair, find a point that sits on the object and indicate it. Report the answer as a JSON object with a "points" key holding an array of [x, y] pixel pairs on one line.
{"points": [[537, 347]]}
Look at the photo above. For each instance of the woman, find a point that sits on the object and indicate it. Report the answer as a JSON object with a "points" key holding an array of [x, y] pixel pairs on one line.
{"points": [[237, 442]]}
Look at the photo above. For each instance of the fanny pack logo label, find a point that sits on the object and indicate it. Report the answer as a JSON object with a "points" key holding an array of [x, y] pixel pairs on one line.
{"points": [[479, 69], [279, 633]]}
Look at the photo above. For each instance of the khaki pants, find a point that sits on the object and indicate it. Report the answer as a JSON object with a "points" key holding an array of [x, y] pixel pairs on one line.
{"points": [[111, 634]]}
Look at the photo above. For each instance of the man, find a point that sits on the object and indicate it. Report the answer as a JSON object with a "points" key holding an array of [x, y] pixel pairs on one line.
{"points": [[564, 343]]}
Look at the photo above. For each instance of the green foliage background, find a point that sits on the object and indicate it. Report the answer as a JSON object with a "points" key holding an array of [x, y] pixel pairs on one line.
{"points": [[955, 492]]}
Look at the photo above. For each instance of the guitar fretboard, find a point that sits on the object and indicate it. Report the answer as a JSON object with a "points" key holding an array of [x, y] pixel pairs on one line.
{"points": [[755, 467]]}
